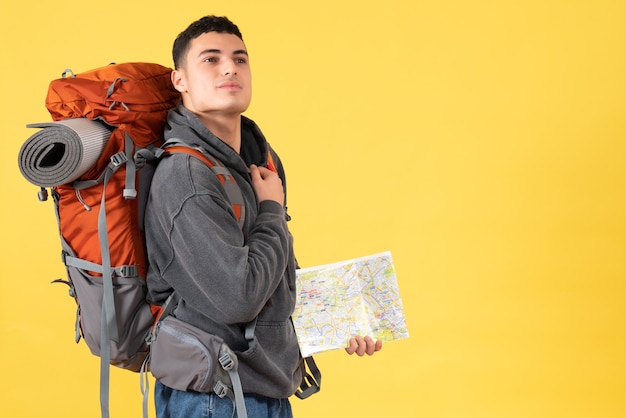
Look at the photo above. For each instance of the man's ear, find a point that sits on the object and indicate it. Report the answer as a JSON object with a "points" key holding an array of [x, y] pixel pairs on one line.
{"points": [[178, 80]]}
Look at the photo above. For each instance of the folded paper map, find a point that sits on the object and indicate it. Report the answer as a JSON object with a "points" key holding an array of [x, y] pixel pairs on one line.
{"points": [[345, 299]]}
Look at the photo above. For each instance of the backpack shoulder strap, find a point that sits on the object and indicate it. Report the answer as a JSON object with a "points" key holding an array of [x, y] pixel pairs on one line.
{"points": [[221, 171], [274, 164], [271, 165]]}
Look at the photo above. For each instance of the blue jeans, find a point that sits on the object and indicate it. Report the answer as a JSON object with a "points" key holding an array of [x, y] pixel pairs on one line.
{"points": [[172, 403]]}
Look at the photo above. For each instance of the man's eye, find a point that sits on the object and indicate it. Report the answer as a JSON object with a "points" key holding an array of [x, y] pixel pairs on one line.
{"points": [[210, 59], [241, 60]]}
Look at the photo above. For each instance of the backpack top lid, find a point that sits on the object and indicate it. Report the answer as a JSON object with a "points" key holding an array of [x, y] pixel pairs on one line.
{"points": [[134, 96]]}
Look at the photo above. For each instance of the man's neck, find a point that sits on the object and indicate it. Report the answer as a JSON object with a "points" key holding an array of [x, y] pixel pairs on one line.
{"points": [[226, 127]]}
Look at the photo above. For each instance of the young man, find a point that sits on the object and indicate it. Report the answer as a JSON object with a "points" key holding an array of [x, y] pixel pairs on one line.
{"points": [[226, 275]]}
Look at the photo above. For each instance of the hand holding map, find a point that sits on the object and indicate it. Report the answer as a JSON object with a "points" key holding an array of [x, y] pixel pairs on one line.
{"points": [[341, 300]]}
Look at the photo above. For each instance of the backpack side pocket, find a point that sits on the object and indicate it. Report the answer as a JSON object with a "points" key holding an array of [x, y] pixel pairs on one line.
{"points": [[133, 314]]}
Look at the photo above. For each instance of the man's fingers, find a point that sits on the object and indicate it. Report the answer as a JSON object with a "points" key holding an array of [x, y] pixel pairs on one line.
{"points": [[362, 346], [261, 171], [254, 172], [372, 346], [379, 345], [352, 346], [358, 346], [267, 184]]}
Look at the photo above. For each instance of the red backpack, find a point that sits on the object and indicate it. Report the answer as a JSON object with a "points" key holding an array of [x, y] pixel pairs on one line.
{"points": [[96, 158], [98, 213]]}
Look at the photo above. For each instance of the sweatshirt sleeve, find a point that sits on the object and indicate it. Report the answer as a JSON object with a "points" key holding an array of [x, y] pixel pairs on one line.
{"points": [[201, 251]]}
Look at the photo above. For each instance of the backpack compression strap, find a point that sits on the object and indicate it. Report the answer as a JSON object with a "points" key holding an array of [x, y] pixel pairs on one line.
{"points": [[311, 382]]}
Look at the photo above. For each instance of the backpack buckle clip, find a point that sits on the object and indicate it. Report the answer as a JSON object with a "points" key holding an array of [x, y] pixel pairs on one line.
{"points": [[220, 389], [118, 159], [226, 361], [128, 271]]}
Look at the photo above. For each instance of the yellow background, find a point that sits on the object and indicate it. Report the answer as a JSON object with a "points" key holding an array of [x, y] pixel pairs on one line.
{"points": [[482, 142]]}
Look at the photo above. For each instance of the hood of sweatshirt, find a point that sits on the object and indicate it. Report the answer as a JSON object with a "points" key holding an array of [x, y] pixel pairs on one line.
{"points": [[186, 126]]}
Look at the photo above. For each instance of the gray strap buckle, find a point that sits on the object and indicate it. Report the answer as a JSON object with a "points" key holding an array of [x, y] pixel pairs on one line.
{"points": [[118, 159], [226, 361], [127, 271]]}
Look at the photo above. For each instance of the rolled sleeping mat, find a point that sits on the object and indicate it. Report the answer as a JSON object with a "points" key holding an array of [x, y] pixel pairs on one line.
{"points": [[62, 151]]}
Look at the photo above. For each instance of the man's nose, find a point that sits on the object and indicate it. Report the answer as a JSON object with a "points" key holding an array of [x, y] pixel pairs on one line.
{"points": [[229, 67]]}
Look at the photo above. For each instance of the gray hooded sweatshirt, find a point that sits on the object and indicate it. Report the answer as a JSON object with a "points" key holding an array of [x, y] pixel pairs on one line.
{"points": [[224, 275]]}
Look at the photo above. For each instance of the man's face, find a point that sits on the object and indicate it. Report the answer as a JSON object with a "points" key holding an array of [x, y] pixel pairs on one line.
{"points": [[215, 77]]}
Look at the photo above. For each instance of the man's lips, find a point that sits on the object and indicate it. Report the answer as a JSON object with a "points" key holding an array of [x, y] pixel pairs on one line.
{"points": [[229, 85]]}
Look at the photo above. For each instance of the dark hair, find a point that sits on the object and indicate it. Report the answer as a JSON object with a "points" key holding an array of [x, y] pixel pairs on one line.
{"points": [[205, 24]]}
